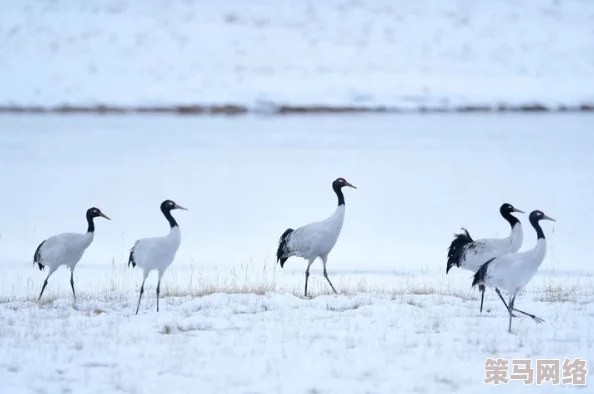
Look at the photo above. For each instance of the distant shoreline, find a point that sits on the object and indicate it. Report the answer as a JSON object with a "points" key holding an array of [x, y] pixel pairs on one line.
{"points": [[282, 109]]}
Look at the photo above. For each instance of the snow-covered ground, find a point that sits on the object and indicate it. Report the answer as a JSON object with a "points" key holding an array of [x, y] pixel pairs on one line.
{"points": [[232, 320], [404, 54], [420, 342]]}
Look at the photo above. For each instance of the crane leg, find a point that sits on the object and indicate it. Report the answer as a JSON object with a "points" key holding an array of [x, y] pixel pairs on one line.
{"points": [[140, 296], [535, 318], [324, 260], [482, 289], [503, 300], [72, 282], [159, 289], [42, 288], [510, 308], [309, 263], [51, 271]]}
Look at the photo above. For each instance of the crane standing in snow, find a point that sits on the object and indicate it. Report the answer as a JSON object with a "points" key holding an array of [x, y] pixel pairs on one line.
{"points": [[513, 271], [466, 253], [315, 239], [158, 252], [66, 249]]}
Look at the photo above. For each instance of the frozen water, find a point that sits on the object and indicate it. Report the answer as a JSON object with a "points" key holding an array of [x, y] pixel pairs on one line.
{"points": [[245, 180]]}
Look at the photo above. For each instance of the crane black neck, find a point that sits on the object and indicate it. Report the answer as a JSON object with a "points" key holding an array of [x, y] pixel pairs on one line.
{"points": [[338, 191], [539, 233], [170, 219], [91, 227], [512, 220]]}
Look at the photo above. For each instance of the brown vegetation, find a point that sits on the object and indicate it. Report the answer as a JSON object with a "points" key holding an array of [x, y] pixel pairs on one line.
{"points": [[282, 109]]}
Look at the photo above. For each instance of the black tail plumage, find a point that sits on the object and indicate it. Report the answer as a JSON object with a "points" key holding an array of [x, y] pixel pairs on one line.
{"points": [[37, 257], [131, 259], [283, 247], [456, 249], [479, 276]]}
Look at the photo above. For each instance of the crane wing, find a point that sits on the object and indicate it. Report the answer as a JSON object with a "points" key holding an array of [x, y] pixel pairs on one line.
{"points": [[304, 238], [56, 248], [479, 252]]}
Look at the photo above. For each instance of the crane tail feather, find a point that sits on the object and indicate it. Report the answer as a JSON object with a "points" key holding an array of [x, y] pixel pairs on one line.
{"points": [[479, 276], [457, 249], [283, 252], [131, 257], [37, 257]]}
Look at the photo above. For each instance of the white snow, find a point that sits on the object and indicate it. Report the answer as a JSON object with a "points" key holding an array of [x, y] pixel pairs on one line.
{"points": [[399, 324], [337, 52], [278, 343]]}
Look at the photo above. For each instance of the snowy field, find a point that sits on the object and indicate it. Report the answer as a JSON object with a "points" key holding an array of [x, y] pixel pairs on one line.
{"points": [[406, 54], [232, 321]]}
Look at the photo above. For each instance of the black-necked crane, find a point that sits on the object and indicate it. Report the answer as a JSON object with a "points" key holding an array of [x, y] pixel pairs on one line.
{"points": [[315, 239], [466, 253], [157, 253], [66, 249], [512, 271]]}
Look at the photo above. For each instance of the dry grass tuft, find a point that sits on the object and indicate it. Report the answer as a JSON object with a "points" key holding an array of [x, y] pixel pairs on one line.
{"points": [[98, 311], [119, 286], [557, 293]]}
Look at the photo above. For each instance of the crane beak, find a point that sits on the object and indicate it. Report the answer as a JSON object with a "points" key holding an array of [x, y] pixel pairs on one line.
{"points": [[180, 207], [545, 217], [103, 215], [518, 210], [349, 185]]}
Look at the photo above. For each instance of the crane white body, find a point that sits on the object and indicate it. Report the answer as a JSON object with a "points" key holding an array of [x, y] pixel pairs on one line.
{"points": [[477, 252], [156, 253], [512, 271], [316, 239], [63, 249]]}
